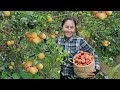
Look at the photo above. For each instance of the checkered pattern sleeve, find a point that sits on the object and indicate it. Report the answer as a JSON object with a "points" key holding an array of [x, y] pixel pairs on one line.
{"points": [[86, 47]]}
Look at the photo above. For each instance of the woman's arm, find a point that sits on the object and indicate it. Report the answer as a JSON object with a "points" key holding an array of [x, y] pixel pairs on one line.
{"points": [[86, 47]]}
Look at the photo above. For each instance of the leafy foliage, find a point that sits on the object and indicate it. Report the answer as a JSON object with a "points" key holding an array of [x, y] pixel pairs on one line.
{"points": [[14, 27]]}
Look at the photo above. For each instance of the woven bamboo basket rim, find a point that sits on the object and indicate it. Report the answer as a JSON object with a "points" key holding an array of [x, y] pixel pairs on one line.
{"points": [[85, 65]]}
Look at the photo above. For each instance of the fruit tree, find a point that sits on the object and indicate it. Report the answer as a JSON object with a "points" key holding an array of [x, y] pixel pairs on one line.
{"points": [[27, 41]]}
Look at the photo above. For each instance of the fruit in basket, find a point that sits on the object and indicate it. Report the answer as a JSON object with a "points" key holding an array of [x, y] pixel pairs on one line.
{"points": [[83, 59], [83, 63]]}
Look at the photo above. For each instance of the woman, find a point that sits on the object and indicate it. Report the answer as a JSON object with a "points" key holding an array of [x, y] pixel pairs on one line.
{"points": [[73, 45]]}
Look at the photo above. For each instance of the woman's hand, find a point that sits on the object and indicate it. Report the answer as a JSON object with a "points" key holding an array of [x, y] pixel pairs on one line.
{"points": [[89, 74]]}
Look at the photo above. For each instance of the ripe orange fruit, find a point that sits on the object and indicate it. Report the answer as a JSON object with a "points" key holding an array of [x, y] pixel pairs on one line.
{"points": [[34, 35], [56, 32], [81, 52], [50, 19], [30, 39], [28, 69], [28, 63], [53, 36], [36, 69], [39, 66], [33, 70], [42, 36], [96, 14], [12, 42], [28, 35], [105, 43], [41, 56], [9, 43], [105, 14], [108, 13], [6, 13], [10, 67], [101, 16], [109, 43], [25, 65], [12, 63], [36, 40]]}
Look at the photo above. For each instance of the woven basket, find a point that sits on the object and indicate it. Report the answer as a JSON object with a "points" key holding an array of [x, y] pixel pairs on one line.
{"points": [[80, 71]]}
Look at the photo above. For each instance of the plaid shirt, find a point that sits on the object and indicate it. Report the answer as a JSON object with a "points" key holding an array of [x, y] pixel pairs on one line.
{"points": [[73, 46]]}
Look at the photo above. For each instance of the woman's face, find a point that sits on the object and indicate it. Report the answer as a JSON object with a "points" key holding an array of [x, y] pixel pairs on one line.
{"points": [[68, 28]]}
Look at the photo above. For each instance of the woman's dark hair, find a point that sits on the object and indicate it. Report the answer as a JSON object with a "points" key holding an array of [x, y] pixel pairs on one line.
{"points": [[75, 22], [69, 18]]}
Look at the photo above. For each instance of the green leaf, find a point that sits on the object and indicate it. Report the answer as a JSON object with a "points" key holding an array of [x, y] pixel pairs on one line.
{"points": [[5, 75], [112, 72], [37, 76], [29, 76], [23, 75], [15, 76]]}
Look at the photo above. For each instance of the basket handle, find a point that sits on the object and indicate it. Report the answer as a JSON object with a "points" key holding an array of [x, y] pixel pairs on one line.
{"points": [[93, 53], [70, 60]]}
